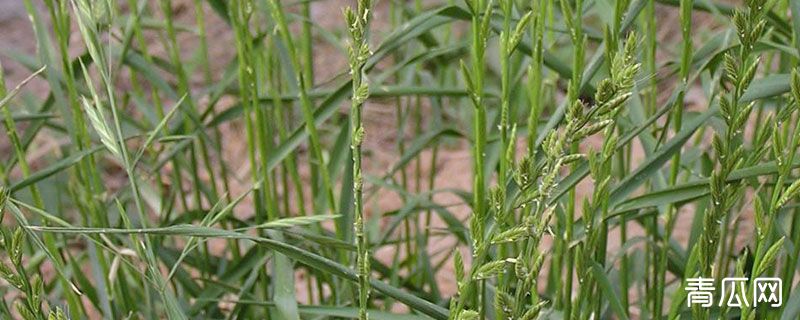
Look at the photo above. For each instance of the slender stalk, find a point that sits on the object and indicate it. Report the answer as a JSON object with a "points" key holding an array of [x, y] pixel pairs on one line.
{"points": [[306, 104], [359, 52], [192, 119], [307, 43], [677, 115], [505, 91], [480, 34], [539, 7], [574, 18], [481, 11]]}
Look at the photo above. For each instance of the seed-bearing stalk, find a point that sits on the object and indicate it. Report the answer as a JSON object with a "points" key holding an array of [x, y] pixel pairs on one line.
{"points": [[784, 145], [612, 94], [505, 79], [509, 39], [536, 180], [359, 52], [503, 217], [535, 74], [740, 69], [574, 21], [475, 78], [481, 16]]}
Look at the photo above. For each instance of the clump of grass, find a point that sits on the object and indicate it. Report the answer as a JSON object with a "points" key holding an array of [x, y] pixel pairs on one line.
{"points": [[123, 220]]}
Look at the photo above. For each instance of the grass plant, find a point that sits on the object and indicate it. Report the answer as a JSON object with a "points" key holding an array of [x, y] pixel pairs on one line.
{"points": [[212, 159]]}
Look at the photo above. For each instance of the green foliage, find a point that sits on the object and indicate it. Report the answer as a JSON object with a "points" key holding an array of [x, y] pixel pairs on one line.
{"points": [[577, 131]]}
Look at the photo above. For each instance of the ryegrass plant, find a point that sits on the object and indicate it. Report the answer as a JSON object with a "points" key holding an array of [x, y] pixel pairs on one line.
{"points": [[123, 193], [358, 25]]}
